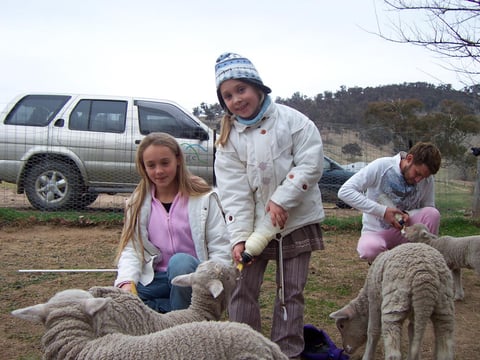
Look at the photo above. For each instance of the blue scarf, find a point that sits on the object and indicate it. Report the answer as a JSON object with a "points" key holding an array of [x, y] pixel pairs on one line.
{"points": [[259, 116]]}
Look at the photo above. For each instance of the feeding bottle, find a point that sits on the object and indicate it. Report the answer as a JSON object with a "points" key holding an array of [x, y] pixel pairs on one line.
{"points": [[259, 239]]}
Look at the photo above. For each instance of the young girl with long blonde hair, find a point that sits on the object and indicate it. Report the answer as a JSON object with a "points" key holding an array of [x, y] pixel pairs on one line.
{"points": [[173, 221]]}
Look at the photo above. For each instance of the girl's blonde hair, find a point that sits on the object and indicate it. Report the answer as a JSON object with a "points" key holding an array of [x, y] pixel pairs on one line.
{"points": [[225, 128], [188, 185]]}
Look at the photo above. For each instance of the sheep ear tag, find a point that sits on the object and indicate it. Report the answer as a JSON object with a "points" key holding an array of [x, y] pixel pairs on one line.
{"points": [[215, 287]]}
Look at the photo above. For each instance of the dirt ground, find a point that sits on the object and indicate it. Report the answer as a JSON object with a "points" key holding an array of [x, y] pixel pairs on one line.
{"points": [[336, 275]]}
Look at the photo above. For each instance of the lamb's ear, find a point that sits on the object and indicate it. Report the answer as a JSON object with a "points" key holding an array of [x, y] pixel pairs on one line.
{"points": [[424, 234], [344, 313], [215, 287], [92, 306], [35, 313], [183, 280]]}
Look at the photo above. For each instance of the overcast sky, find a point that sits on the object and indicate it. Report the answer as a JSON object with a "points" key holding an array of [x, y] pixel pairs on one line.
{"points": [[167, 49]]}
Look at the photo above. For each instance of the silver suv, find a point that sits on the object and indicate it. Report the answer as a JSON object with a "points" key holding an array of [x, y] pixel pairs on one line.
{"points": [[63, 150]]}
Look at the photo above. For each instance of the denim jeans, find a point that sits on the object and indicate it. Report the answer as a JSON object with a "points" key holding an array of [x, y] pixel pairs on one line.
{"points": [[160, 294]]}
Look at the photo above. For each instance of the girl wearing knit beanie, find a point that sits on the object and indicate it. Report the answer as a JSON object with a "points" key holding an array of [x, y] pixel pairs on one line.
{"points": [[268, 163]]}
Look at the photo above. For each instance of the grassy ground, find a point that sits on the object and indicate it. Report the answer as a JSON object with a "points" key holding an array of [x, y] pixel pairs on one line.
{"points": [[32, 239], [336, 275]]}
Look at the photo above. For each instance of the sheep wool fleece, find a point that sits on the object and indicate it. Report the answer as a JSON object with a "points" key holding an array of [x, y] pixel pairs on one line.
{"points": [[459, 252], [211, 283], [69, 315], [410, 281]]}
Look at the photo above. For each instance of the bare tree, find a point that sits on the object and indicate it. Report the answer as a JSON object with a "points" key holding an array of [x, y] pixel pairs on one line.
{"points": [[450, 28]]}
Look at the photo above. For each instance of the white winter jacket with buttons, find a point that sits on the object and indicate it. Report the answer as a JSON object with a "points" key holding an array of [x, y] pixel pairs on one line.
{"points": [[279, 159], [208, 233]]}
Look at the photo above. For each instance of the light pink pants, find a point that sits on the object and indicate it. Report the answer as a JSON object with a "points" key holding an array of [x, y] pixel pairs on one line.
{"points": [[372, 243]]}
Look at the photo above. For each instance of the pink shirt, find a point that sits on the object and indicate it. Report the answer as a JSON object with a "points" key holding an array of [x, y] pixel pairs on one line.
{"points": [[170, 231]]}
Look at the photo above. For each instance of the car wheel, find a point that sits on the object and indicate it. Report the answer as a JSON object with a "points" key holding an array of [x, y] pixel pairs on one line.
{"points": [[52, 185]]}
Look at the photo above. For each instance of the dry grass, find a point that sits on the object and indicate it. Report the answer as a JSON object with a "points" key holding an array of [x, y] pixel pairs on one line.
{"points": [[336, 275]]}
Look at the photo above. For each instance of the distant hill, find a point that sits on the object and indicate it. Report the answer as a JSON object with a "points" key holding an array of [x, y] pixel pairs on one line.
{"points": [[347, 106]]}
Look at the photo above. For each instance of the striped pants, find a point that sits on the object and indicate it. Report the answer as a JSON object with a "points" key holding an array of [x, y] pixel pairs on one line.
{"points": [[244, 306]]}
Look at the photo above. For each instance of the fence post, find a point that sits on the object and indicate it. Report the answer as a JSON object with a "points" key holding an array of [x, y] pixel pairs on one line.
{"points": [[476, 193]]}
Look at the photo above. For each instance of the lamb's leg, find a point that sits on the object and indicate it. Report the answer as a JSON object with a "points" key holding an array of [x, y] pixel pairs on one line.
{"points": [[443, 327], [457, 284], [372, 341], [392, 334], [424, 301], [373, 333], [416, 333]]}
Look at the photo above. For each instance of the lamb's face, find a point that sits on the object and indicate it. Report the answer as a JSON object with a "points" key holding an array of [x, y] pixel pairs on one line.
{"points": [[417, 233], [227, 274], [352, 327]]}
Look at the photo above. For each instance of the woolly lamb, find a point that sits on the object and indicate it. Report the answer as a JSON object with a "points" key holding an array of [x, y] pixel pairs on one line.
{"points": [[211, 284], [411, 280], [69, 317], [459, 252]]}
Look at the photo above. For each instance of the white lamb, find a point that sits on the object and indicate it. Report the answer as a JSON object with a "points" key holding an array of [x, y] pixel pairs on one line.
{"points": [[70, 321], [410, 281], [459, 252], [211, 284]]}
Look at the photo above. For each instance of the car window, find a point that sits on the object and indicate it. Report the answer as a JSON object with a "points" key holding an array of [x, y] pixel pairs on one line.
{"points": [[327, 165], [162, 117], [99, 115], [36, 110]]}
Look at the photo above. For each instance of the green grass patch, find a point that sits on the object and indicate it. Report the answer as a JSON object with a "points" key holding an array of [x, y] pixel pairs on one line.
{"points": [[459, 226], [452, 222], [453, 197], [10, 216], [351, 223]]}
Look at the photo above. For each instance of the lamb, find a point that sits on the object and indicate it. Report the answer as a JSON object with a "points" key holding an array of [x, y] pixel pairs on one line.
{"points": [[211, 284], [459, 252], [70, 317], [411, 280]]}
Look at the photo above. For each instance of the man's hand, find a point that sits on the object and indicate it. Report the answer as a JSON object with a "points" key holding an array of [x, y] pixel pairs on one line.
{"points": [[396, 218]]}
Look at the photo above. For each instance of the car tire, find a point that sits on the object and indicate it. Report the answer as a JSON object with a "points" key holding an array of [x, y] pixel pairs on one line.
{"points": [[53, 185]]}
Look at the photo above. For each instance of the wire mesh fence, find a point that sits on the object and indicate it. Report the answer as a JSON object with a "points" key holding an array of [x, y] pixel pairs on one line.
{"points": [[61, 152]]}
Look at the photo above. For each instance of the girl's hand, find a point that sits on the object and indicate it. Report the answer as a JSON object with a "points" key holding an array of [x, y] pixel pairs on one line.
{"points": [[128, 286], [277, 214], [237, 251]]}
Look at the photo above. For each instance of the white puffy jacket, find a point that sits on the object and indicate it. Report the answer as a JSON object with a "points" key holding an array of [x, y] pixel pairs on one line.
{"points": [[278, 159], [208, 233]]}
